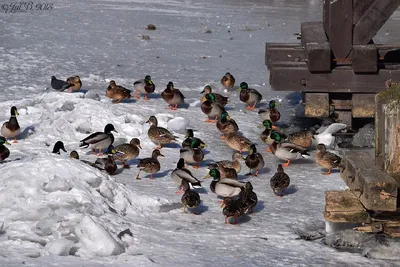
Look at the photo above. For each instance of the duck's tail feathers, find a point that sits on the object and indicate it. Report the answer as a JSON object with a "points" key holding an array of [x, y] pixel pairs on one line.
{"points": [[83, 144], [197, 185], [65, 87], [305, 155], [334, 127]]}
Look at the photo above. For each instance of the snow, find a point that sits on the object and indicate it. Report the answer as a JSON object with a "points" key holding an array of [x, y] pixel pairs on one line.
{"points": [[57, 211]]}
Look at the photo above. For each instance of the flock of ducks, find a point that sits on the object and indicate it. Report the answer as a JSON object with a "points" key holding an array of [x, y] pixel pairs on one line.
{"points": [[238, 197]]}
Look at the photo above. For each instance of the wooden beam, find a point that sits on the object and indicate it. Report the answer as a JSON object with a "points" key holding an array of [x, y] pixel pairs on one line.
{"points": [[359, 8], [316, 105], [365, 58], [325, 15], [283, 52], [363, 105], [377, 189], [373, 19]]}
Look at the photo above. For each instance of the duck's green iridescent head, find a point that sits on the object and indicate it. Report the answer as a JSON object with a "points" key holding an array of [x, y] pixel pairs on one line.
{"points": [[225, 116], [267, 124], [273, 104], [207, 89], [3, 141], [276, 136], [210, 97], [147, 79], [189, 133], [244, 86], [214, 173], [14, 111], [195, 143]]}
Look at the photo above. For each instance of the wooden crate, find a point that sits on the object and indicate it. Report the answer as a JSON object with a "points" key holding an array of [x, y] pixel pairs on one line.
{"points": [[344, 207]]}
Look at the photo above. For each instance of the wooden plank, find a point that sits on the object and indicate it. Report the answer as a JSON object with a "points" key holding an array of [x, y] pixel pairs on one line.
{"points": [[341, 79], [378, 190], [363, 106], [365, 58], [359, 8], [373, 19], [325, 16], [380, 130], [316, 105], [341, 27], [283, 52], [313, 32]]}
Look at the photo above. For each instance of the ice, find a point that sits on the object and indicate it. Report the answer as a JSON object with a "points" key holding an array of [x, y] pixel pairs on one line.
{"points": [[92, 95], [57, 183], [59, 247], [365, 137], [178, 125]]}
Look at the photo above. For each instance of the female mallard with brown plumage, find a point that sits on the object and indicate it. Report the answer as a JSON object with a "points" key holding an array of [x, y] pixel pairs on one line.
{"points": [[254, 160], [232, 208], [226, 125], [302, 138], [280, 181], [172, 96], [117, 92], [287, 151], [75, 82], [190, 137], [126, 152], [272, 113], [193, 154], [190, 199], [327, 159], [150, 165], [234, 163], [158, 135], [211, 108], [238, 142], [249, 96], [10, 128], [248, 198], [220, 99], [144, 86], [228, 81], [224, 171]]}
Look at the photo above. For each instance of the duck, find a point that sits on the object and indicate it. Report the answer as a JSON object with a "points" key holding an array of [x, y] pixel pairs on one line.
{"points": [[99, 140], [249, 96], [4, 151], [190, 199], [144, 86], [59, 85], [150, 165], [272, 113], [159, 135], [193, 154], [280, 181], [254, 160], [228, 81], [326, 136], [301, 138], [126, 152], [226, 125], [220, 99], [108, 164], [248, 198], [232, 208], [172, 96], [224, 171], [327, 160], [237, 142], [211, 108], [287, 151], [75, 82], [181, 175], [224, 187], [74, 155], [117, 92], [234, 163], [11, 128], [189, 137], [265, 135], [59, 145]]}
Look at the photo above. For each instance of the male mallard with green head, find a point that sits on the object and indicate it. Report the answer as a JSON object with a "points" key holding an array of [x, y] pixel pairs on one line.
{"points": [[220, 99], [4, 151], [254, 160], [224, 187], [158, 135], [228, 81], [150, 165], [59, 145], [189, 137], [10, 128], [117, 92], [327, 159], [193, 154], [271, 113], [280, 181], [226, 125], [144, 86], [249, 96], [211, 108], [172, 96], [126, 152], [287, 151], [224, 171]]}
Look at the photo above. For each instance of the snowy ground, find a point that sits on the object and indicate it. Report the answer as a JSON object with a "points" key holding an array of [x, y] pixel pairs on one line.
{"points": [[52, 205]]}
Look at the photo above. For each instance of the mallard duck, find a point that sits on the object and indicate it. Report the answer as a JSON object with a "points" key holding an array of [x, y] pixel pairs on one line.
{"points": [[211, 108], [172, 96], [280, 181], [189, 137], [59, 85], [117, 92], [158, 135], [108, 164], [326, 136], [10, 128], [302, 138], [254, 160], [238, 142], [226, 125], [75, 82], [181, 174], [287, 151], [271, 113], [75, 155], [232, 209], [150, 165], [327, 159], [144, 86], [59, 145], [234, 163], [228, 81], [265, 136], [249, 96], [224, 172], [193, 154], [224, 187], [99, 140], [190, 199], [220, 99], [248, 198], [126, 152], [4, 151]]}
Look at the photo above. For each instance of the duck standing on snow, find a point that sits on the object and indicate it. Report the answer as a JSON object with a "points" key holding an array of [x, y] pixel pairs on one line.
{"points": [[280, 181], [144, 86], [226, 125], [126, 152], [108, 164], [220, 99], [190, 199], [224, 187], [150, 165], [302, 138], [238, 142], [181, 175], [172, 96], [211, 108], [272, 113], [254, 160], [193, 154], [232, 208], [117, 92], [327, 159], [4, 151], [158, 135], [224, 171], [228, 81], [59, 145], [248, 198], [10, 128], [99, 140], [326, 136], [249, 96], [75, 82], [287, 151], [265, 135], [189, 137], [234, 163], [59, 85]]}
